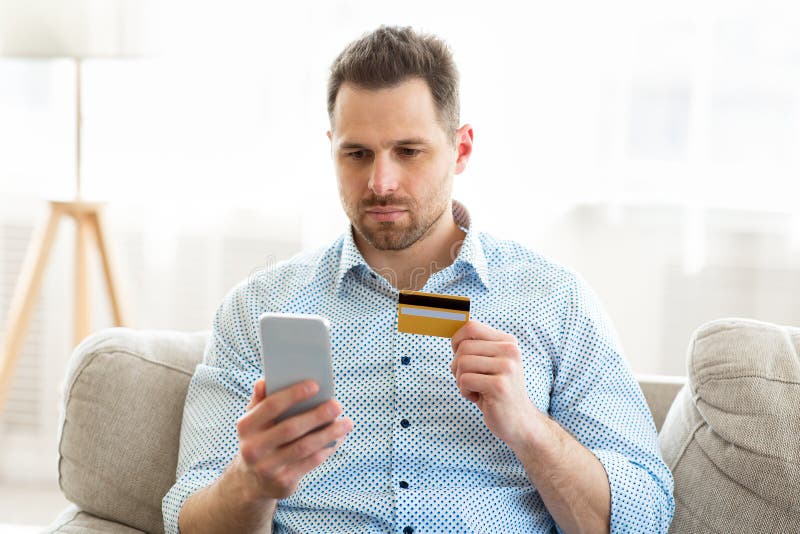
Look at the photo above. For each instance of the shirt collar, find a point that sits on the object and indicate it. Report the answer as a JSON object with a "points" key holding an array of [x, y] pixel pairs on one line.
{"points": [[351, 257], [471, 253]]}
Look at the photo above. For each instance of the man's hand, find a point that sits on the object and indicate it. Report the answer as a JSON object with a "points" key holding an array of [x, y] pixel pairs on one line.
{"points": [[571, 480], [277, 455], [273, 458], [488, 369]]}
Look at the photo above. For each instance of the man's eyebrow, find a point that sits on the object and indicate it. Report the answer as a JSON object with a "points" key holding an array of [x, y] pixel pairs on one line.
{"points": [[348, 145], [412, 141]]}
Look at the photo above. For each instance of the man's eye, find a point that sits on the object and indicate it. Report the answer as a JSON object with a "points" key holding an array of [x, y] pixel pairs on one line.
{"points": [[409, 152], [356, 154]]}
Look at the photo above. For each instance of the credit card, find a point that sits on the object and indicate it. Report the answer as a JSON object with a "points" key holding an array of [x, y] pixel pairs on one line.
{"points": [[431, 314]]}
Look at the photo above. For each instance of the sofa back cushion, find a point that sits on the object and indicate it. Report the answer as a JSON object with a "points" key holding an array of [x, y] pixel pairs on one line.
{"points": [[730, 437], [121, 420]]}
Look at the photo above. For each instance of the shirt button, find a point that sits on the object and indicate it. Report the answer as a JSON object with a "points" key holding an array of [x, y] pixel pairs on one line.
{"points": [[408, 530], [405, 360], [404, 423], [403, 484]]}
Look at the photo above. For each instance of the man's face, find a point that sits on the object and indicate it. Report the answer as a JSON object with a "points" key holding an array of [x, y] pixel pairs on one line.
{"points": [[394, 162]]}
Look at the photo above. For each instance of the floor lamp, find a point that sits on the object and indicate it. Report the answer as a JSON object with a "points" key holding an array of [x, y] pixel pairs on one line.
{"points": [[74, 29]]}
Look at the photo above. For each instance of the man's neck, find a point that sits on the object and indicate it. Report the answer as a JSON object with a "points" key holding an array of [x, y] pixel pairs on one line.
{"points": [[410, 268]]}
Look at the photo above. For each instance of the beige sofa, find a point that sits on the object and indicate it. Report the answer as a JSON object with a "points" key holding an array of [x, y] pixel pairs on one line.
{"points": [[730, 435]]}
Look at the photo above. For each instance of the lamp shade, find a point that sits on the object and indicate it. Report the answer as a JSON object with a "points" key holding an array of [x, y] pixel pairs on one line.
{"points": [[78, 28]]}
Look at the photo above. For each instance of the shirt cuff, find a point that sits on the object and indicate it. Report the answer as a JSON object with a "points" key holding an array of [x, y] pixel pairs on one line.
{"points": [[190, 483], [639, 503]]}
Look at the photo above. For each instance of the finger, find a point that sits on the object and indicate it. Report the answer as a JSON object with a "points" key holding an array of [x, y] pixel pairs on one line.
{"points": [[493, 349], [478, 365], [469, 395], [299, 425], [273, 405], [472, 397], [301, 468], [258, 394], [500, 349], [459, 360], [479, 383], [292, 428], [265, 443], [473, 329], [299, 451], [485, 365], [317, 441]]}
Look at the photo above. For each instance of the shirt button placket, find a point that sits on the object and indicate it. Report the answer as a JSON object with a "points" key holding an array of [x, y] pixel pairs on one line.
{"points": [[402, 428]]}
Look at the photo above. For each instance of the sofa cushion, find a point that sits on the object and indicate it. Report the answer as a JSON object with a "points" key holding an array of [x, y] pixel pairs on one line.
{"points": [[73, 520], [121, 420], [730, 437]]}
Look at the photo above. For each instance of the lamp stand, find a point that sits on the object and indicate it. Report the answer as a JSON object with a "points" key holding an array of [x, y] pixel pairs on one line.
{"points": [[88, 218], [89, 222]]}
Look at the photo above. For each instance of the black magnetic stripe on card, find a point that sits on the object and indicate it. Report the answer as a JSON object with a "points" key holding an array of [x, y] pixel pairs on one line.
{"points": [[434, 301]]}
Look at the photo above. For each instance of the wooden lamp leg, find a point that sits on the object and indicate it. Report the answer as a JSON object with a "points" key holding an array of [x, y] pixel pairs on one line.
{"points": [[82, 318], [25, 294], [96, 219]]}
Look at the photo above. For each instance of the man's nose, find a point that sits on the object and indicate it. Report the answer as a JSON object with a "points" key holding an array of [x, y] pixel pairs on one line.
{"points": [[385, 175]]}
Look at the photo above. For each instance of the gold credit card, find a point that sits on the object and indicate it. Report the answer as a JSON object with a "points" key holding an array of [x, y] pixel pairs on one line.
{"points": [[431, 314]]}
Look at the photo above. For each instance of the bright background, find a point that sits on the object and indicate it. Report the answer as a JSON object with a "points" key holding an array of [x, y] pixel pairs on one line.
{"points": [[653, 147]]}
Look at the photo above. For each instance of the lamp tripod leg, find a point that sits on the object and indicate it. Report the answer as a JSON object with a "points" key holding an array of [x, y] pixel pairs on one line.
{"points": [[25, 294], [82, 318], [96, 219]]}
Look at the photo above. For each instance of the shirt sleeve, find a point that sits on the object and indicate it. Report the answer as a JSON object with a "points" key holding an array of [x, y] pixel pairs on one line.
{"points": [[597, 399], [218, 395]]}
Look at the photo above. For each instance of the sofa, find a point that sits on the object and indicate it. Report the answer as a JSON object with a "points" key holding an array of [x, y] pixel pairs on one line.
{"points": [[729, 431]]}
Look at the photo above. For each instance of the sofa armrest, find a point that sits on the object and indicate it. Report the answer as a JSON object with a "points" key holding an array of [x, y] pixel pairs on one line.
{"points": [[120, 421], [660, 391]]}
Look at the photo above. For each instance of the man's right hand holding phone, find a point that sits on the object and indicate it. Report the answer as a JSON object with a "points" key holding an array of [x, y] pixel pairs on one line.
{"points": [[273, 457], [278, 454]]}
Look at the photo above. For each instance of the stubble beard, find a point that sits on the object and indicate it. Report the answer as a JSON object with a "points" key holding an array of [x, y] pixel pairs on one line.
{"points": [[391, 235]]}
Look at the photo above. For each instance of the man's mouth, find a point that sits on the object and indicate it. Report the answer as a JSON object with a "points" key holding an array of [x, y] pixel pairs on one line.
{"points": [[385, 213]]}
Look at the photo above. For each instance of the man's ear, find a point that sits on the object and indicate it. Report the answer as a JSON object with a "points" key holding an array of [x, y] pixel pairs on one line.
{"points": [[463, 147]]}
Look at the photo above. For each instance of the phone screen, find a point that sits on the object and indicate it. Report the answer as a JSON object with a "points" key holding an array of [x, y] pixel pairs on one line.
{"points": [[294, 348]]}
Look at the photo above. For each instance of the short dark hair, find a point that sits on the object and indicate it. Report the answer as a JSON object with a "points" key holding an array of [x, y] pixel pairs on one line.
{"points": [[390, 55]]}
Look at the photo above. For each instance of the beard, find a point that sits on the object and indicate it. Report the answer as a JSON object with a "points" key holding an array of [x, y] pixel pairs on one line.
{"points": [[395, 235]]}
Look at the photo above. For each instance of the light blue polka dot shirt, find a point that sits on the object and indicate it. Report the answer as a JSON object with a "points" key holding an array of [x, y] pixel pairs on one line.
{"points": [[420, 457]]}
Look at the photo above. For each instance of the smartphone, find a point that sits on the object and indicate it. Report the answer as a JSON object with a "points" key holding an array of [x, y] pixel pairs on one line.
{"points": [[294, 348]]}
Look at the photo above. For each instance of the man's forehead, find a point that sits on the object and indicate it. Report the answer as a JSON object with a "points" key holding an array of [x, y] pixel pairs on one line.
{"points": [[394, 114], [411, 99]]}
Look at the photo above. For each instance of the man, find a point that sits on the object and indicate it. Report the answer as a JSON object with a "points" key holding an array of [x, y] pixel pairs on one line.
{"points": [[527, 420]]}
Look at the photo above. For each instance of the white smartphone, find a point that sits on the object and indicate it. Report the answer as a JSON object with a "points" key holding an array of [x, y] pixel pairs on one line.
{"points": [[295, 348]]}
